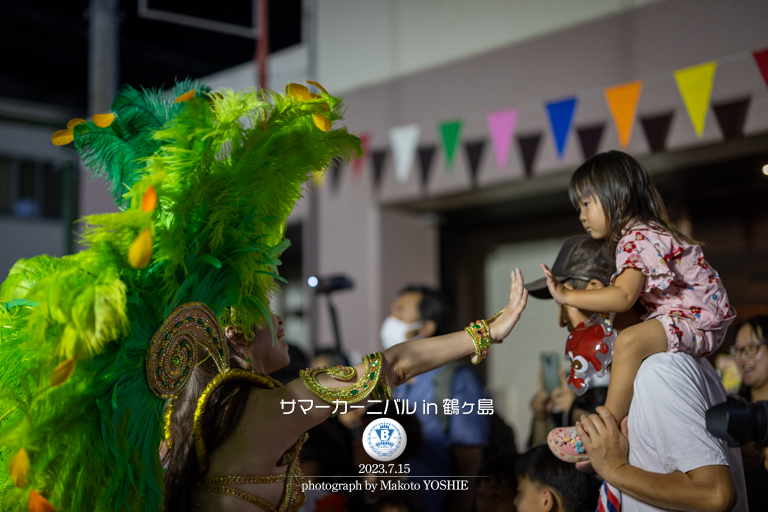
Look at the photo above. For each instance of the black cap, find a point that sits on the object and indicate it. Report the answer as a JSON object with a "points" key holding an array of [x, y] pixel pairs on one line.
{"points": [[596, 264]]}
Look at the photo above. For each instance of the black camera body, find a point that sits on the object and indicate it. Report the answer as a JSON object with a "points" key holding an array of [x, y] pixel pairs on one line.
{"points": [[739, 422]]}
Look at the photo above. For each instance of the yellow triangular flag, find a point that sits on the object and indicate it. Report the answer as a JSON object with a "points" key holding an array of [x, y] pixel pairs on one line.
{"points": [[622, 100], [695, 85]]}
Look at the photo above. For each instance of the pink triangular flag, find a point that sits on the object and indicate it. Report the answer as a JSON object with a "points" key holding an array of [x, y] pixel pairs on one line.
{"points": [[501, 125]]}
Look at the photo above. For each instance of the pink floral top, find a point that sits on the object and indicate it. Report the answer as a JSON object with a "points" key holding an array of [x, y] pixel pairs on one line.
{"points": [[679, 281]]}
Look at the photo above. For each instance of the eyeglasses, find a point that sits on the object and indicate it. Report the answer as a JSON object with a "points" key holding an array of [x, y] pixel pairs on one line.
{"points": [[746, 351]]}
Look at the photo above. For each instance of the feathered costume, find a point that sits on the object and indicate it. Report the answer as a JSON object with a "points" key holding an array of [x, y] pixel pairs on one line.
{"points": [[205, 182]]}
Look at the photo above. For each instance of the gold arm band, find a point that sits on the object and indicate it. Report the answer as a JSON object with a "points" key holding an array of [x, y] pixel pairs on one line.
{"points": [[481, 339], [256, 379], [372, 383]]}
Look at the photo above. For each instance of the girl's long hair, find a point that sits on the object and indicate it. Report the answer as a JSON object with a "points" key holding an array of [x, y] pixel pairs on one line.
{"points": [[224, 410], [625, 192]]}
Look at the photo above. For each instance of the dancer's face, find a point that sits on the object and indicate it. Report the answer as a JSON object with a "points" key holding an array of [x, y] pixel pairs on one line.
{"points": [[268, 353]]}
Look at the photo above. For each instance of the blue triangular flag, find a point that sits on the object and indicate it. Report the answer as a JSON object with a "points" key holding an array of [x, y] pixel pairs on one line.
{"points": [[561, 118]]}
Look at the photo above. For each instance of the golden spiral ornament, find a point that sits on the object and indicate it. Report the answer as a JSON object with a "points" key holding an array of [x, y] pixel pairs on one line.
{"points": [[172, 353]]}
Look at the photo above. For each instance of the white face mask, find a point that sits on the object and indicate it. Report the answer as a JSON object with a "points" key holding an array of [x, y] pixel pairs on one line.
{"points": [[394, 331]]}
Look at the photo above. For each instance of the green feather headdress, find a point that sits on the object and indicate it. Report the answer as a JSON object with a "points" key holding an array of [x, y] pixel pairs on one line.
{"points": [[205, 182]]}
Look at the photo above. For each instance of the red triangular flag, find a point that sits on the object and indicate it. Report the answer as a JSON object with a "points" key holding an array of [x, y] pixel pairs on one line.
{"points": [[357, 166], [761, 57]]}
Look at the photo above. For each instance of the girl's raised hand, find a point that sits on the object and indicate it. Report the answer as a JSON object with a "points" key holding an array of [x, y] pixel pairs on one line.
{"points": [[502, 325], [556, 288]]}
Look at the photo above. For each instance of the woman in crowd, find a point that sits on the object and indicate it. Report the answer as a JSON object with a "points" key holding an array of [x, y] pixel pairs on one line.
{"points": [[751, 354]]}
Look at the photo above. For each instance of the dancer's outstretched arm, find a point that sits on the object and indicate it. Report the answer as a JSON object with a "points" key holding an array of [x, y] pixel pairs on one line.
{"points": [[400, 363]]}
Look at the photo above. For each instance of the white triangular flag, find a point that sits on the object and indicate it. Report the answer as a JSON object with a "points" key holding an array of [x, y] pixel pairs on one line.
{"points": [[405, 141]]}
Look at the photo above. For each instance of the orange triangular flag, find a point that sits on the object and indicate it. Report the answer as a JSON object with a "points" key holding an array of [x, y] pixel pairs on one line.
{"points": [[622, 100]]}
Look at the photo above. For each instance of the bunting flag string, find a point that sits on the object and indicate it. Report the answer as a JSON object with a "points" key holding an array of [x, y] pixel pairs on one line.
{"points": [[589, 139], [622, 101], [450, 132], [474, 151], [426, 154], [695, 85], [560, 119], [357, 166], [404, 141], [501, 126], [529, 146]]}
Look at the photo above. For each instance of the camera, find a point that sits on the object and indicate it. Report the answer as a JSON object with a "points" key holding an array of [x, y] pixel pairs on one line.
{"points": [[739, 422]]}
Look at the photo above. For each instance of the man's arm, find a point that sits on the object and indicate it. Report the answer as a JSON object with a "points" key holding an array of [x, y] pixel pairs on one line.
{"points": [[706, 489]]}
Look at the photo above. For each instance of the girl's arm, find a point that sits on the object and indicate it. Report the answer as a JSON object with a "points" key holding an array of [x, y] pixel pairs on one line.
{"points": [[401, 363], [617, 298]]}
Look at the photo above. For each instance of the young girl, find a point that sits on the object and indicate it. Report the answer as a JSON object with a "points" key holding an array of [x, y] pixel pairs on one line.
{"points": [[687, 305]]}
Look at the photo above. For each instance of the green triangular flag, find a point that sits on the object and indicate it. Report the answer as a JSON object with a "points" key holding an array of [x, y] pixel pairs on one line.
{"points": [[450, 131]]}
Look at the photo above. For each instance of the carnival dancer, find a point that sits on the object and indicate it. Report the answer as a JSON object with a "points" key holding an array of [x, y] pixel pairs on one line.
{"points": [[687, 305], [158, 337]]}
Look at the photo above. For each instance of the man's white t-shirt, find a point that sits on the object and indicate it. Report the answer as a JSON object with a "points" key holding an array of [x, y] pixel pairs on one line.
{"points": [[667, 426]]}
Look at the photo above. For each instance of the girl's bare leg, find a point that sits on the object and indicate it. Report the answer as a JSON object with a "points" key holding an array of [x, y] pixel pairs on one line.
{"points": [[632, 346]]}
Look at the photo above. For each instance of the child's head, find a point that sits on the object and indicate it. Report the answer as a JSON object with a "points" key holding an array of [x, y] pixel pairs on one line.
{"points": [[611, 190], [497, 485], [547, 484]]}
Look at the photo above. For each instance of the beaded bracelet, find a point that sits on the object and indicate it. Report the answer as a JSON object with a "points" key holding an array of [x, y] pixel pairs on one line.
{"points": [[481, 339], [373, 382]]}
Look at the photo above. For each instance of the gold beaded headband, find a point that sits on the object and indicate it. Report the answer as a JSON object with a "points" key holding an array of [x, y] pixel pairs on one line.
{"points": [[172, 353]]}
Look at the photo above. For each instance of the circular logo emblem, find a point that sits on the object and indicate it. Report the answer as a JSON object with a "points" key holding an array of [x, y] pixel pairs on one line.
{"points": [[384, 439]]}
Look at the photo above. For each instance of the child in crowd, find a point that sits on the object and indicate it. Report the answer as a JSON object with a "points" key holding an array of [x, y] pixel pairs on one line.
{"points": [[546, 484], [497, 484], [688, 309]]}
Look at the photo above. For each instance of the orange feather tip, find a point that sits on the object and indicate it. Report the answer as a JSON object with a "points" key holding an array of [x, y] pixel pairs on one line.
{"points": [[62, 137], [74, 122], [19, 467], [310, 82], [186, 96], [39, 504], [149, 201], [322, 122], [298, 92], [103, 120], [63, 372], [140, 252]]}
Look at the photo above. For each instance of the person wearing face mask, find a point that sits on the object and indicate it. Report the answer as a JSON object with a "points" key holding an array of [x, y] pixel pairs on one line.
{"points": [[452, 444]]}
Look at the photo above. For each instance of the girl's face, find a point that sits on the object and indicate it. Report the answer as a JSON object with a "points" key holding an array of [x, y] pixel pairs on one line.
{"points": [[753, 367], [592, 217]]}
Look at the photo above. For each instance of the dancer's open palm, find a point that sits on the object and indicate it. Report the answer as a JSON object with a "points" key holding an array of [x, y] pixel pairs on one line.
{"points": [[518, 298]]}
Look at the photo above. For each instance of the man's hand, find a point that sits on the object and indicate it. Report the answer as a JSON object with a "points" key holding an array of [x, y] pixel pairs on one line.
{"points": [[606, 444], [556, 288]]}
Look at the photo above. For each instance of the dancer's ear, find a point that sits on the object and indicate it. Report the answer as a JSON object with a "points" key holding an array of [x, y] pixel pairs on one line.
{"points": [[234, 336]]}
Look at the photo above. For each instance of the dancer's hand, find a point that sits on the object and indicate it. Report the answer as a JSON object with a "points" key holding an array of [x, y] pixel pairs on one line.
{"points": [[605, 442], [518, 297], [556, 288]]}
